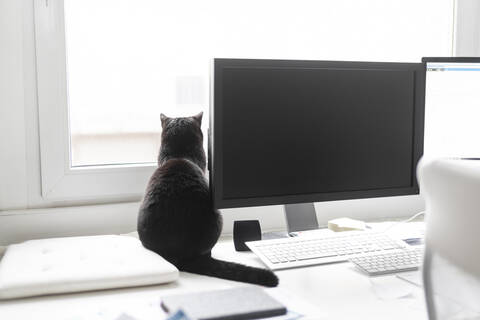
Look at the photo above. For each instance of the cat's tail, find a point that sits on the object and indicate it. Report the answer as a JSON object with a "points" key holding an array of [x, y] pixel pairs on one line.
{"points": [[208, 266]]}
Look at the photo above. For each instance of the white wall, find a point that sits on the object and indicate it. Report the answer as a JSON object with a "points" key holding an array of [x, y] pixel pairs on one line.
{"points": [[19, 150], [13, 185], [467, 28], [19, 158]]}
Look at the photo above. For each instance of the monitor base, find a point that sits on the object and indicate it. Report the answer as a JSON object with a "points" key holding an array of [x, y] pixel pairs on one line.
{"points": [[275, 235], [300, 217]]}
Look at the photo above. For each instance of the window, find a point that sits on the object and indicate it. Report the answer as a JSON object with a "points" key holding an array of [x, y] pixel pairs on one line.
{"points": [[108, 68]]}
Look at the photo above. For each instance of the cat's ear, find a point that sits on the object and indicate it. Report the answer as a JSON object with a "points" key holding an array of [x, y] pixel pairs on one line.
{"points": [[163, 119], [198, 118]]}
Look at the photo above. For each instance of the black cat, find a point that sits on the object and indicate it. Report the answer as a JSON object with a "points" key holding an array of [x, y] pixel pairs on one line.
{"points": [[177, 219]]}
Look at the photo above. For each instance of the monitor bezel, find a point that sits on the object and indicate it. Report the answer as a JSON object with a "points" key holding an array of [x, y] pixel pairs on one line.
{"points": [[451, 59], [215, 161], [426, 60]]}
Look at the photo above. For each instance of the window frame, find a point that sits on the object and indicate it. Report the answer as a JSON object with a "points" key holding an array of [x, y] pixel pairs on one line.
{"points": [[60, 181], [113, 183]]}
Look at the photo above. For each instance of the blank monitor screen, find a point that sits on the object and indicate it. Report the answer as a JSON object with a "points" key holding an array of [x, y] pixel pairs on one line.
{"points": [[304, 132]]}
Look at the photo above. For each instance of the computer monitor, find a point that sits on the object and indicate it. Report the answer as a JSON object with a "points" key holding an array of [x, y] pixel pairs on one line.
{"points": [[295, 132], [452, 99]]}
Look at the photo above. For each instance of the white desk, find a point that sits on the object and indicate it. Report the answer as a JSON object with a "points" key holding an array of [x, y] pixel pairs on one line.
{"points": [[339, 290]]}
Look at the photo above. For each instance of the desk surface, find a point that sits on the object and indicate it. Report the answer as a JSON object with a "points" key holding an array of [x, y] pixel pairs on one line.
{"points": [[339, 291]]}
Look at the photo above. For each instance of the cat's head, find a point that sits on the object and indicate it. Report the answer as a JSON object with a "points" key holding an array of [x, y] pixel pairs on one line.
{"points": [[181, 136], [184, 127]]}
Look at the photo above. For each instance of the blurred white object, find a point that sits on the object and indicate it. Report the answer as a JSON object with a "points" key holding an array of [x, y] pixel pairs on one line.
{"points": [[451, 272], [60, 265], [345, 224]]}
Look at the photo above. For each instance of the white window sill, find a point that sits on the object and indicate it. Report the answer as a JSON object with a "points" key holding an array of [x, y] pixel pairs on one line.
{"points": [[21, 225]]}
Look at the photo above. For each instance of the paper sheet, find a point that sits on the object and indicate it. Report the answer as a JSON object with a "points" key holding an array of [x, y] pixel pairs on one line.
{"points": [[150, 309], [391, 288], [414, 277], [297, 307]]}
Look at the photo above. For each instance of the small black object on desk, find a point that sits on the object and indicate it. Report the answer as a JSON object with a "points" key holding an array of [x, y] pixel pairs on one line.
{"points": [[245, 230]]}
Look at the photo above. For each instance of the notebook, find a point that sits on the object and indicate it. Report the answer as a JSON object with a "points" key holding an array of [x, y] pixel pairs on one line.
{"points": [[231, 304]]}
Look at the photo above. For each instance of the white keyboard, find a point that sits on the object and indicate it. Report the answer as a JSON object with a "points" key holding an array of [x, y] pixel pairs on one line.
{"points": [[390, 262], [302, 251]]}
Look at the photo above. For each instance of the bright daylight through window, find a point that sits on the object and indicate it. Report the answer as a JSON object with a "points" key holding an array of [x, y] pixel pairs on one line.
{"points": [[130, 60]]}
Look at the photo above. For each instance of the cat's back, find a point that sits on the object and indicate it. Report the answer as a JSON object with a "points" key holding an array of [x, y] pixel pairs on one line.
{"points": [[176, 218], [176, 179]]}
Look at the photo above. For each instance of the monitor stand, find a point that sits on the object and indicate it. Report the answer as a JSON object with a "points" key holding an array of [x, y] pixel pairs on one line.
{"points": [[299, 217]]}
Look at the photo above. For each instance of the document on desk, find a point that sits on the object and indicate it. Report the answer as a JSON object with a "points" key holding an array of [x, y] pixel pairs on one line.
{"points": [[297, 308], [145, 307], [414, 277], [391, 288]]}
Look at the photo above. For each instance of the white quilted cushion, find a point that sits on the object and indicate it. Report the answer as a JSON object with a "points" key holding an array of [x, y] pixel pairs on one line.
{"points": [[60, 265]]}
